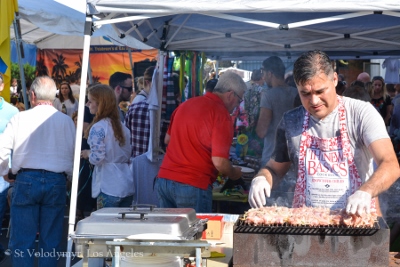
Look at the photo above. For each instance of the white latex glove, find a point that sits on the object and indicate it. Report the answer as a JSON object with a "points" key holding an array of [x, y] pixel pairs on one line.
{"points": [[258, 189], [358, 202]]}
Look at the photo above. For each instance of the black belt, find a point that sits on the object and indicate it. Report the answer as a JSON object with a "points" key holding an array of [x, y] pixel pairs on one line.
{"points": [[39, 170]]}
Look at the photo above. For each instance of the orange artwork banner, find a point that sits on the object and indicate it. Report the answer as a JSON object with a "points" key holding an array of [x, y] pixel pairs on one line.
{"points": [[61, 64]]}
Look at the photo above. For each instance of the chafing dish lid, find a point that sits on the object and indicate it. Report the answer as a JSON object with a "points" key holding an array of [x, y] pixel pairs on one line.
{"points": [[109, 222]]}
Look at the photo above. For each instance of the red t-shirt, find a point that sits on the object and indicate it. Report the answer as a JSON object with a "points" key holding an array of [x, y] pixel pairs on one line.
{"points": [[200, 128]]}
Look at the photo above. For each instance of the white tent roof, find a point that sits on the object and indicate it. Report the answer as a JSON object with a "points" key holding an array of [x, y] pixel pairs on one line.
{"points": [[59, 24], [257, 28]]}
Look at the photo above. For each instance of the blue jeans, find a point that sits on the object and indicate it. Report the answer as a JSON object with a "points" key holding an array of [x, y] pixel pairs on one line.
{"points": [[107, 201], [172, 194], [3, 208], [37, 205]]}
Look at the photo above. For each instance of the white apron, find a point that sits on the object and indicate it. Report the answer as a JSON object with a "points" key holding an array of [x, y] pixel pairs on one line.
{"points": [[327, 173]]}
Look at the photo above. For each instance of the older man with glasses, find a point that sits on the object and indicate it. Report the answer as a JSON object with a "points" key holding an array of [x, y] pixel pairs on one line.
{"points": [[38, 199], [122, 84], [200, 136]]}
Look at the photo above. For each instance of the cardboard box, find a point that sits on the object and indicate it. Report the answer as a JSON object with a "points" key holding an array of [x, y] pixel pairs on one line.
{"points": [[215, 226]]}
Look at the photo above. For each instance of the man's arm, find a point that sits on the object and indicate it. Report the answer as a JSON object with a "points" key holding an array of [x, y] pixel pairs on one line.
{"points": [[264, 120], [225, 167], [388, 168], [274, 171], [167, 138]]}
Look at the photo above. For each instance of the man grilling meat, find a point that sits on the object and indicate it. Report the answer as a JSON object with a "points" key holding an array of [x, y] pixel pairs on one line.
{"points": [[332, 141]]}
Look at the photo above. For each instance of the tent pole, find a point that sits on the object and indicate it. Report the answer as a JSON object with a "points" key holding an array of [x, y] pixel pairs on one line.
{"points": [[89, 73], [78, 138], [131, 60], [21, 67]]}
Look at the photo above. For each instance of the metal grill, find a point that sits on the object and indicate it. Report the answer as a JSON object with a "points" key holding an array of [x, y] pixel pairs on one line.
{"points": [[242, 227]]}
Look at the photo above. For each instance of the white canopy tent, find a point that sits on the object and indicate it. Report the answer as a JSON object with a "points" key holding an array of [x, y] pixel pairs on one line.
{"points": [[42, 39], [242, 29], [58, 24]]}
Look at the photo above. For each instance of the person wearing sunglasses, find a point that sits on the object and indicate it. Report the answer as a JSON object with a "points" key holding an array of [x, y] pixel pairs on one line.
{"points": [[380, 99], [122, 84]]}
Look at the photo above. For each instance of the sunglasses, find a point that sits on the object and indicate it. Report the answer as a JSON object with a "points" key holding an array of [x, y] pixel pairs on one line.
{"points": [[375, 78], [129, 88]]}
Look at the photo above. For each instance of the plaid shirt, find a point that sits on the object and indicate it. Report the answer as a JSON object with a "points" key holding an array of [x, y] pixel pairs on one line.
{"points": [[137, 120]]}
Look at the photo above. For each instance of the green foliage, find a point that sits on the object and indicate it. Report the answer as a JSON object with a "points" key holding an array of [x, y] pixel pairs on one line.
{"points": [[29, 72]]}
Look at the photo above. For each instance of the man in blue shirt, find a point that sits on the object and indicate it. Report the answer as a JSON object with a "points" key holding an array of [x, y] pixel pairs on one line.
{"points": [[6, 112]]}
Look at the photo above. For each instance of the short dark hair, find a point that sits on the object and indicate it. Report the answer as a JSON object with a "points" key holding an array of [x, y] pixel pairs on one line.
{"points": [[275, 65], [117, 78], [310, 64], [211, 85], [256, 75]]}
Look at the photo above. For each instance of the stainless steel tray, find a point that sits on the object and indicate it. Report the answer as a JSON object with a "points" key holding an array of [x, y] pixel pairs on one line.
{"points": [[114, 223]]}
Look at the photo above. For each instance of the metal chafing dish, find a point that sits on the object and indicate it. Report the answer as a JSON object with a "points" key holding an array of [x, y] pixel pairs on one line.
{"points": [[111, 232], [284, 245]]}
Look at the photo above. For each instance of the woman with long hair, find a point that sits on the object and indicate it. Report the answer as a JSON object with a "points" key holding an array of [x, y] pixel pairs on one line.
{"points": [[66, 102], [110, 150], [380, 99]]}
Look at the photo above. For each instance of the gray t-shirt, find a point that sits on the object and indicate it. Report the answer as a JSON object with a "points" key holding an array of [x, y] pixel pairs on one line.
{"points": [[364, 124], [279, 100]]}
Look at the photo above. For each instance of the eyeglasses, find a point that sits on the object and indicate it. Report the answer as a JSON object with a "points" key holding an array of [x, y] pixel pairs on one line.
{"points": [[129, 88], [240, 99]]}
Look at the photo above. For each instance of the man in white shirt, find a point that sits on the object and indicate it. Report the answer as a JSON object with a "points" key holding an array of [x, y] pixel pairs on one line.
{"points": [[42, 140]]}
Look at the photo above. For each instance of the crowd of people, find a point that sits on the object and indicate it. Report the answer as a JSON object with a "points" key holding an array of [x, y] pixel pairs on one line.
{"points": [[293, 123]]}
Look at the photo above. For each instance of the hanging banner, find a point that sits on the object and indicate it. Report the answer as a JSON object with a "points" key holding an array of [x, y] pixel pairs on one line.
{"points": [[104, 61]]}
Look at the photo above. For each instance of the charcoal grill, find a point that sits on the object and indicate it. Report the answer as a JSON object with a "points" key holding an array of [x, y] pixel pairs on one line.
{"points": [[110, 232], [285, 229], [286, 245]]}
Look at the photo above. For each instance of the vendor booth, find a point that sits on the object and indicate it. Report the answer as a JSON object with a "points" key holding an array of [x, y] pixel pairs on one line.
{"points": [[251, 30]]}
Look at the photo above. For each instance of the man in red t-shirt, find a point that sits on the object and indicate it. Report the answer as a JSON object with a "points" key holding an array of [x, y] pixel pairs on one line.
{"points": [[200, 136]]}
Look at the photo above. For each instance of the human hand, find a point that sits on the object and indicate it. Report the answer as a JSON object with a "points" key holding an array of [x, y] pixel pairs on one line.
{"points": [[5, 177], [259, 188], [358, 202], [237, 173], [85, 154]]}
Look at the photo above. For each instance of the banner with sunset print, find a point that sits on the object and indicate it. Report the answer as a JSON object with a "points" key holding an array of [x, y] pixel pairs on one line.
{"points": [[104, 61]]}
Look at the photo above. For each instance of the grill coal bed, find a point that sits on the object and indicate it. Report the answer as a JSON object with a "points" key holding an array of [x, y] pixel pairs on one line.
{"points": [[284, 245], [285, 229]]}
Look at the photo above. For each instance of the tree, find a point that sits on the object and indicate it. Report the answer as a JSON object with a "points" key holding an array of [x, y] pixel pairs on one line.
{"points": [[29, 73], [79, 69], [41, 68], [59, 68]]}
